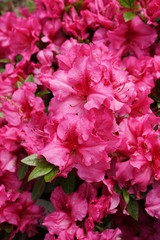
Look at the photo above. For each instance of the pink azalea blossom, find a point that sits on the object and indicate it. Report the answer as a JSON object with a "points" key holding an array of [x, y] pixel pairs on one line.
{"points": [[73, 146], [6, 28], [142, 77], [153, 10], [141, 150], [78, 91], [92, 110], [134, 38], [25, 36], [7, 161], [22, 105], [68, 209], [52, 32], [152, 201], [100, 13], [108, 234], [18, 210], [74, 25], [48, 8]]}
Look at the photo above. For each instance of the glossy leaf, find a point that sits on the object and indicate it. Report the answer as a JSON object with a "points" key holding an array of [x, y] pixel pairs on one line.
{"points": [[18, 58], [42, 93], [38, 188], [8, 228], [31, 160], [41, 169], [22, 171], [125, 195], [30, 78], [68, 184], [128, 16], [78, 5], [126, 3], [2, 70], [19, 84], [31, 5], [132, 208], [50, 176], [117, 190], [5, 60], [1, 115]]}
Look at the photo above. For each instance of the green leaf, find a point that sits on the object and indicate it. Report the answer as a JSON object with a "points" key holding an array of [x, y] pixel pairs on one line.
{"points": [[98, 227], [158, 105], [157, 19], [68, 184], [132, 208], [40, 170], [8, 228], [21, 78], [30, 78], [2, 70], [87, 41], [5, 60], [38, 188], [22, 171], [42, 93], [155, 127], [18, 58], [1, 115], [67, 8], [80, 40], [31, 6], [126, 3], [19, 84], [49, 177], [117, 190], [128, 16], [31, 160], [125, 195], [78, 5]]}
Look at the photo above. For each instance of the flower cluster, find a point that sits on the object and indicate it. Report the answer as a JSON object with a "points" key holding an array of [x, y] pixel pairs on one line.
{"points": [[79, 120]]}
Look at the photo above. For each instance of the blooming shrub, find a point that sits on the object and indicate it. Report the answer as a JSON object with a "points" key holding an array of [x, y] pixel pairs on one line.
{"points": [[79, 120]]}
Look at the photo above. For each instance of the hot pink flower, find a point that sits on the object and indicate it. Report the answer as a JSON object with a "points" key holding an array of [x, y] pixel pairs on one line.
{"points": [[142, 77], [133, 37], [156, 62], [153, 10], [10, 181], [140, 147], [79, 90], [57, 222], [19, 210], [49, 9], [68, 209], [97, 208], [74, 204], [74, 146], [25, 36], [100, 13], [6, 28], [9, 138], [49, 236], [22, 105], [152, 205], [8, 80], [7, 161], [108, 234], [52, 32], [23, 213], [74, 25], [71, 50]]}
